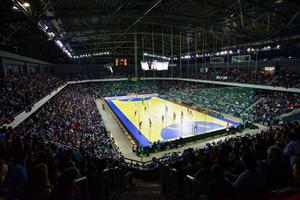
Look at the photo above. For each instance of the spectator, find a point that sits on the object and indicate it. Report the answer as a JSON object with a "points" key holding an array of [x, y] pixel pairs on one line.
{"points": [[220, 188], [276, 169], [204, 175], [3, 173], [38, 186], [250, 184], [292, 149], [66, 188], [16, 175], [296, 171]]}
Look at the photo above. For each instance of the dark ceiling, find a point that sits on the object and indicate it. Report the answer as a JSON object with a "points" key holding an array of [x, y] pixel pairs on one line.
{"points": [[163, 27]]}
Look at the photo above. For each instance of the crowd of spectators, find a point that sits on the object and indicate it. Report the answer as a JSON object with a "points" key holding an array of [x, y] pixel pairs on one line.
{"points": [[248, 167], [231, 100], [287, 79], [240, 102], [252, 106], [241, 74], [62, 141], [72, 119], [17, 92], [248, 75], [21, 91], [66, 138], [119, 88], [271, 106]]}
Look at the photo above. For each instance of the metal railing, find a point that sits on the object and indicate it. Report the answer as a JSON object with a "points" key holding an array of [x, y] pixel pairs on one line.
{"points": [[144, 165], [128, 162]]}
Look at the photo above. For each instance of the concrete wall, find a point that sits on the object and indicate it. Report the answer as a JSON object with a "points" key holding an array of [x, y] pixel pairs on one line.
{"points": [[88, 68], [13, 63], [78, 68]]}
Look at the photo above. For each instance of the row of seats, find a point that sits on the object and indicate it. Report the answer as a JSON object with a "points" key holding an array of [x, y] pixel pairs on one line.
{"points": [[19, 92], [261, 166], [46, 155]]}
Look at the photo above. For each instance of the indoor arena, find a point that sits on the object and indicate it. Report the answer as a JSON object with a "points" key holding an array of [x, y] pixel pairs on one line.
{"points": [[149, 99]]}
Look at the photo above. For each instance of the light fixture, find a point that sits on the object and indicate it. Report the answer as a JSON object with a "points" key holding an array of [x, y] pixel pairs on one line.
{"points": [[145, 54], [15, 8], [26, 5], [59, 43], [45, 27], [51, 35]]}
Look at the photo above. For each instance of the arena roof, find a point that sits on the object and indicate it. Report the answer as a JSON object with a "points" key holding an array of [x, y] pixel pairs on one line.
{"points": [[52, 29]]}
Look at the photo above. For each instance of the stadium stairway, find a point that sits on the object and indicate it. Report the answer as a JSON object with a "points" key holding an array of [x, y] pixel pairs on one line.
{"points": [[236, 79], [144, 190], [255, 103], [272, 80], [290, 114]]}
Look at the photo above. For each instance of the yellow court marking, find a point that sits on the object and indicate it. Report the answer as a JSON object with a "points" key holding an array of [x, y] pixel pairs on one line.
{"points": [[155, 108]]}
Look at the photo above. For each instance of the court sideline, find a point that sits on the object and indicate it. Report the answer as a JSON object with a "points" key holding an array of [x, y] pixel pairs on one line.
{"points": [[112, 126]]}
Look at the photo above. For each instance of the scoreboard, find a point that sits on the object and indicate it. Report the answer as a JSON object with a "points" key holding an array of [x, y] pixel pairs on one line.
{"points": [[154, 66], [121, 62]]}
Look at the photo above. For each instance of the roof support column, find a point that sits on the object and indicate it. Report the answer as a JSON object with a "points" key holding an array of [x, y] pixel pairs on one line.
{"points": [[135, 55]]}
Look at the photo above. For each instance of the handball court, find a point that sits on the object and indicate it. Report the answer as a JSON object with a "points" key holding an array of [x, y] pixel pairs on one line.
{"points": [[125, 145], [150, 118]]}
